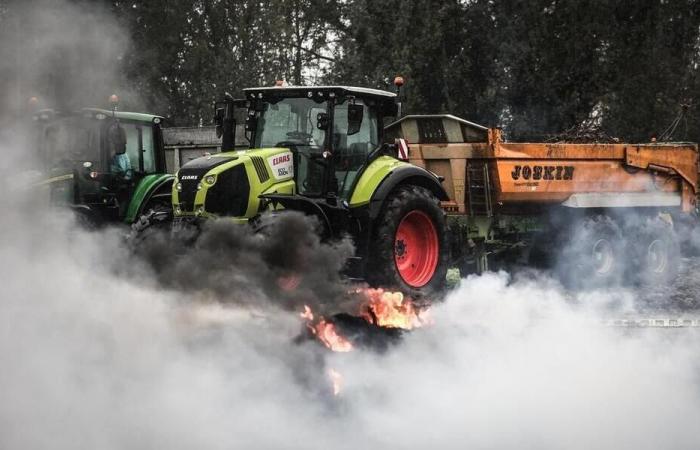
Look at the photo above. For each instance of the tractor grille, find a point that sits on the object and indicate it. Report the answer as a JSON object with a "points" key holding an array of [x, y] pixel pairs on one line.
{"points": [[259, 164], [191, 174], [229, 196], [186, 195]]}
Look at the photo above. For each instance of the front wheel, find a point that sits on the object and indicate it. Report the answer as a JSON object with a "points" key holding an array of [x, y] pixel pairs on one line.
{"points": [[409, 246], [157, 220]]}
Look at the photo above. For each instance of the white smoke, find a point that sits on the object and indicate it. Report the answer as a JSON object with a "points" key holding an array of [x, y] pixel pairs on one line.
{"points": [[93, 358]]}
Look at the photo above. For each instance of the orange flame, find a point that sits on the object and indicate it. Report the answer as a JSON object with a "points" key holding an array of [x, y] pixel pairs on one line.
{"points": [[336, 380], [326, 332], [393, 310], [382, 308], [307, 314]]}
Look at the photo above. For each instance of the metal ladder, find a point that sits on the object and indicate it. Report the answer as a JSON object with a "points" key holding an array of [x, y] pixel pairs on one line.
{"points": [[479, 189]]}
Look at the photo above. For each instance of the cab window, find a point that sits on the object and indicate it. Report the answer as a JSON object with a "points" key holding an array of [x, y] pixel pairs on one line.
{"points": [[140, 137]]}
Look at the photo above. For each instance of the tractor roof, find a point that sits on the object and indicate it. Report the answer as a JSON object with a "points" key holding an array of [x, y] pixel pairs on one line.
{"points": [[95, 113], [303, 91], [123, 115]]}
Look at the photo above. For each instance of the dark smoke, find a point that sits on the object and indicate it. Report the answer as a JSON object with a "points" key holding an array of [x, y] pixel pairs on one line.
{"points": [[236, 264]]}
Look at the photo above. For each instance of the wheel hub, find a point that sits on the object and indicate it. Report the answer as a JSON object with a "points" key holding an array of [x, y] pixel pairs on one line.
{"points": [[603, 256], [657, 256], [416, 249], [400, 248]]}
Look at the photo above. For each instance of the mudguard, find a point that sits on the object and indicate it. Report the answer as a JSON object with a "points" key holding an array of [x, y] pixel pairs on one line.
{"points": [[395, 174], [145, 191]]}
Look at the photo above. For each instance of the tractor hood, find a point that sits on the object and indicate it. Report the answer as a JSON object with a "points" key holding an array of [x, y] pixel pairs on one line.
{"points": [[229, 184]]}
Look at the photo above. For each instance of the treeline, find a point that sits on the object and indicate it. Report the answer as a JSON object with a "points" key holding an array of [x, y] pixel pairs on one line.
{"points": [[619, 68]]}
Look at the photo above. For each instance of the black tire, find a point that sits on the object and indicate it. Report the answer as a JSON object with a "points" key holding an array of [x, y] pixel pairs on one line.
{"points": [[656, 253], [384, 247], [87, 221], [156, 220], [593, 255]]}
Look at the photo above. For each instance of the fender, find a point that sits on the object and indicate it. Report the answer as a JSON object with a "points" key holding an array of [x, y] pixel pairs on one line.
{"points": [[406, 174], [146, 190]]}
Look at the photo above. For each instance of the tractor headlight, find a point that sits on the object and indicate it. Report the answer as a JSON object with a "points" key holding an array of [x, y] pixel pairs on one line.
{"points": [[178, 210], [210, 179], [178, 186]]}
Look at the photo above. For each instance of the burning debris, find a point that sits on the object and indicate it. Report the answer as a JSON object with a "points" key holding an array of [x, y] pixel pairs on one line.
{"points": [[393, 310], [382, 316], [326, 332]]}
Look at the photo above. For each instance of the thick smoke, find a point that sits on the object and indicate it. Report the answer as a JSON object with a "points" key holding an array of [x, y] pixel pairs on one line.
{"points": [[284, 260], [96, 356]]}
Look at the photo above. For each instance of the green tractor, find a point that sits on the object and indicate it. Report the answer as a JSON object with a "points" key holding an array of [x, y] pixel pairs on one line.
{"points": [[107, 166], [320, 150]]}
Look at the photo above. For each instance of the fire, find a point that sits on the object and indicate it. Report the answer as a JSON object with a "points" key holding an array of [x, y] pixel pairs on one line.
{"points": [[393, 310], [336, 380], [307, 314], [326, 332], [382, 308]]}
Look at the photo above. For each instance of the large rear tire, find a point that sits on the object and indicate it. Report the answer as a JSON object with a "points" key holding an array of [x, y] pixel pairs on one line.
{"points": [[657, 252], [593, 255], [408, 250]]}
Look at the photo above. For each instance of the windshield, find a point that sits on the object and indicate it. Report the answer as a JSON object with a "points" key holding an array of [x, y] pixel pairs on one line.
{"points": [[291, 122], [69, 141]]}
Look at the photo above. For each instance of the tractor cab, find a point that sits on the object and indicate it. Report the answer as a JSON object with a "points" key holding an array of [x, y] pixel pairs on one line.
{"points": [[94, 159], [330, 130]]}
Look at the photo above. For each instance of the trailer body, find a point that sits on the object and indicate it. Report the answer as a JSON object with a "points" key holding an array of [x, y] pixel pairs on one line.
{"points": [[502, 193]]}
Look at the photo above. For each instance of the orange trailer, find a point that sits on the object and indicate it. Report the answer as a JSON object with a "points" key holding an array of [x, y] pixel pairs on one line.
{"points": [[505, 195]]}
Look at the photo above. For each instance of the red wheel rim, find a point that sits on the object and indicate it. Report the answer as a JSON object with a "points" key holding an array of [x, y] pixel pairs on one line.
{"points": [[416, 249]]}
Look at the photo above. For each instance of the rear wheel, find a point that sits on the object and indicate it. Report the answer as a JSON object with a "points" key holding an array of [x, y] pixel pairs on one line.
{"points": [[657, 253], [409, 247], [593, 254]]}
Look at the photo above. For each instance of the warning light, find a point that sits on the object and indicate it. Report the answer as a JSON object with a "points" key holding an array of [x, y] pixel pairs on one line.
{"points": [[398, 81], [280, 83], [33, 103], [113, 99]]}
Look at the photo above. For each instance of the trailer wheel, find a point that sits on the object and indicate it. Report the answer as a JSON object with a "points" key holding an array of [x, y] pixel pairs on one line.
{"points": [[593, 255], [657, 252], [409, 246]]}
